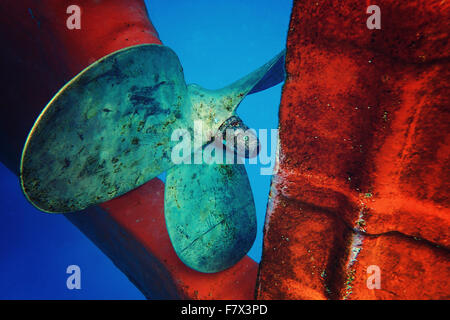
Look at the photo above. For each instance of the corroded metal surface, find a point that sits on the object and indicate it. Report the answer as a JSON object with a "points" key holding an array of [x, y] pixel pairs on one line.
{"points": [[238, 138], [363, 173]]}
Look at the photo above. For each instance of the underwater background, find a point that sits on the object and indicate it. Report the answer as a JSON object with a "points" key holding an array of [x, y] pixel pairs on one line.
{"points": [[217, 42]]}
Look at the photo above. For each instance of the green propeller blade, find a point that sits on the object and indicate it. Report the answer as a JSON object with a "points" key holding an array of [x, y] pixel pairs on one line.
{"points": [[107, 131], [210, 214]]}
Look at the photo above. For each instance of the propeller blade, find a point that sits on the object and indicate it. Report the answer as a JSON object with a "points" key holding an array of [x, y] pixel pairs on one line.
{"points": [[107, 131], [214, 107], [210, 214]]}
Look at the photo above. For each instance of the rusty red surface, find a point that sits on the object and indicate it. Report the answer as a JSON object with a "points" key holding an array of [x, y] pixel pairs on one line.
{"points": [[364, 154], [42, 55]]}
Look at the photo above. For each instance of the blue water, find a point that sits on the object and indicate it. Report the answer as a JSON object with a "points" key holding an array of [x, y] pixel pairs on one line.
{"points": [[217, 42]]}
